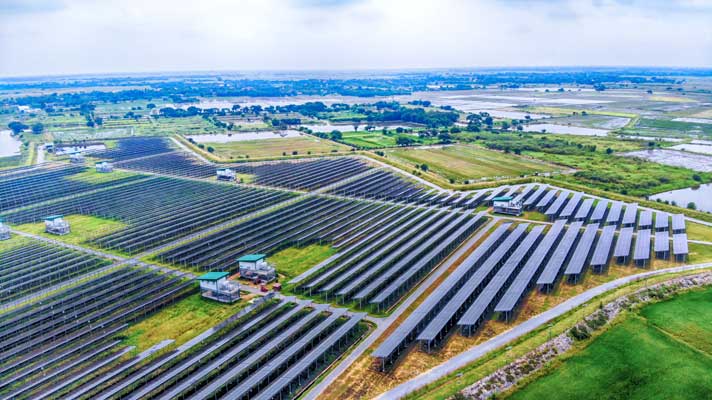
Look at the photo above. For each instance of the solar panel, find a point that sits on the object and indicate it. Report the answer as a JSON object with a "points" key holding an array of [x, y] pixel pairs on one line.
{"points": [[584, 210], [496, 192], [531, 200], [548, 197], [525, 192], [662, 241], [521, 282], [614, 214], [630, 214], [625, 237], [568, 211], [578, 259], [553, 266], [679, 244], [512, 190], [603, 247], [436, 300], [662, 221], [642, 246], [479, 307], [599, 211], [678, 223], [645, 220], [443, 318], [555, 207]]}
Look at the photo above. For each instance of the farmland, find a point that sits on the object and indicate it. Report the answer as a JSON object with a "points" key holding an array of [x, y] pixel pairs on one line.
{"points": [[271, 148], [466, 162], [658, 352]]}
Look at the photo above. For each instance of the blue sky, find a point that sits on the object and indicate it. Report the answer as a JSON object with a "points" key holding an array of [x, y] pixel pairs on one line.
{"points": [[88, 36]]}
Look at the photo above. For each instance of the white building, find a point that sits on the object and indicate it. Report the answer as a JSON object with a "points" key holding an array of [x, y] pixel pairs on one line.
{"points": [[215, 285], [4, 230], [507, 205], [255, 268], [104, 167], [56, 225], [226, 174]]}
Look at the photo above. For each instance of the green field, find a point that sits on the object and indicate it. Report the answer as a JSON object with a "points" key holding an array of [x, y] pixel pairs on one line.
{"points": [[83, 228], [662, 352], [180, 321], [266, 148], [292, 261], [463, 162], [376, 139]]}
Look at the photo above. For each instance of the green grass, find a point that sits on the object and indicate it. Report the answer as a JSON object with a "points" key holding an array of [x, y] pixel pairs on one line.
{"points": [[93, 177], [676, 126], [535, 216], [266, 148], [657, 354], [463, 162], [699, 253], [376, 139], [180, 321], [699, 232], [293, 261], [687, 318], [83, 228]]}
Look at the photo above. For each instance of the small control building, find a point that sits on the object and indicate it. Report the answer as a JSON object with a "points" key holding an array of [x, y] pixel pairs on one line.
{"points": [[4, 230], [507, 205], [214, 285], [56, 225], [255, 268], [226, 174], [76, 158], [104, 167]]}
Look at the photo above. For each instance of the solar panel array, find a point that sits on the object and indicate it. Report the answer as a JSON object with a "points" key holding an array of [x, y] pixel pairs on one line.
{"points": [[623, 245], [559, 256], [583, 249], [678, 223], [614, 213], [679, 246], [585, 209], [645, 221], [600, 211], [570, 207], [630, 214], [602, 252], [641, 255], [662, 244]]}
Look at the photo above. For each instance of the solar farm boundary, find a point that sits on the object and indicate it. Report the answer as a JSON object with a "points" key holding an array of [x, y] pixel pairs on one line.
{"points": [[473, 354], [190, 151], [399, 309]]}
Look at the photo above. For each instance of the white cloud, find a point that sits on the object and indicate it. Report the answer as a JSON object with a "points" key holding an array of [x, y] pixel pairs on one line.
{"points": [[80, 36]]}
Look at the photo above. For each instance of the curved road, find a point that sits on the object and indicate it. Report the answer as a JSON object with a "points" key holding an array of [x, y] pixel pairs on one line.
{"points": [[496, 342]]}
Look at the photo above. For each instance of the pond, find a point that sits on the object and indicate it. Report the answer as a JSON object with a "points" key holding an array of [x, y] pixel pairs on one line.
{"points": [[242, 136], [565, 130], [701, 196], [9, 145]]}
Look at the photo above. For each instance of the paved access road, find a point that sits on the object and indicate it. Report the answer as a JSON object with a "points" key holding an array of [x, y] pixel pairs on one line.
{"points": [[471, 355]]}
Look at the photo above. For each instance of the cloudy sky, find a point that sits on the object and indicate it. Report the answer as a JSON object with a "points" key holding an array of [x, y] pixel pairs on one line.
{"points": [[94, 36]]}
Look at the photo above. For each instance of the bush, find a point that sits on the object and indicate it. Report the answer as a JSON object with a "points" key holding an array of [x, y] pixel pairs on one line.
{"points": [[210, 149]]}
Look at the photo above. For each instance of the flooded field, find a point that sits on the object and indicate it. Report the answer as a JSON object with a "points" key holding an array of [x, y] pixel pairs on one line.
{"points": [[9, 145], [701, 196], [565, 130], [350, 127], [242, 136], [543, 100], [694, 120], [696, 162], [513, 114], [694, 148]]}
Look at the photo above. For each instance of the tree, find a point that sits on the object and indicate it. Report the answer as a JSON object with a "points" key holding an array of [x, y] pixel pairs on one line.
{"points": [[37, 128], [692, 206], [17, 127], [210, 149], [697, 178], [336, 135], [424, 167], [609, 150], [150, 106], [356, 124]]}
